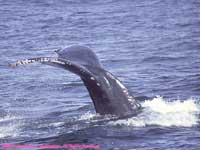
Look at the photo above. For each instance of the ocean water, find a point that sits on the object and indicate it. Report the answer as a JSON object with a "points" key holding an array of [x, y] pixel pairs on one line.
{"points": [[152, 46]]}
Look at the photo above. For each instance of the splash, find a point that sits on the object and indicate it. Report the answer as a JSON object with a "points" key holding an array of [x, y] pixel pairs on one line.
{"points": [[161, 112], [87, 116], [8, 127]]}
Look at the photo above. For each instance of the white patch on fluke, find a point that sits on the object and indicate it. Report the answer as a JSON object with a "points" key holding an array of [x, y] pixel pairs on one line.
{"points": [[110, 75], [164, 113], [107, 82], [92, 78], [120, 84], [58, 62]]}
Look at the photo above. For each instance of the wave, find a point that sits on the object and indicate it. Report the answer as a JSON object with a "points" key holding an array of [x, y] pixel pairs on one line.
{"points": [[161, 112], [156, 112], [9, 128]]}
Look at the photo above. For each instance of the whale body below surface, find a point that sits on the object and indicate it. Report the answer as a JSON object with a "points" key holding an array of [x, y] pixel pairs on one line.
{"points": [[108, 94]]}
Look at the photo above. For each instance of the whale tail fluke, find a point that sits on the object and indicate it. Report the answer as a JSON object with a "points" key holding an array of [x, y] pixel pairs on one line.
{"points": [[33, 60], [108, 93], [57, 62]]}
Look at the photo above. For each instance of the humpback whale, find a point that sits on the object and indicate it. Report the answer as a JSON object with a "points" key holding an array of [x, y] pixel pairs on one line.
{"points": [[109, 95]]}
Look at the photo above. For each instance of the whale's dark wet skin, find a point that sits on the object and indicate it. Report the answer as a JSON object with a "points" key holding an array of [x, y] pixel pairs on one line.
{"points": [[107, 92]]}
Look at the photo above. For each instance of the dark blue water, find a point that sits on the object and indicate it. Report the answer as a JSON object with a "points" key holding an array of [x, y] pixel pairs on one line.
{"points": [[152, 46]]}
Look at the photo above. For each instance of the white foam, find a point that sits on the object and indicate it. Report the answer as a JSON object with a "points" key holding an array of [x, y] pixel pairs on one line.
{"points": [[87, 116], [159, 111], [10, 128], [57, 124], [7, 118]]}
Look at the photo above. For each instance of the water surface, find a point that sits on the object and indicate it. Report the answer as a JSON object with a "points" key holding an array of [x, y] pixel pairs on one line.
{"points": [[152, 46]]}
